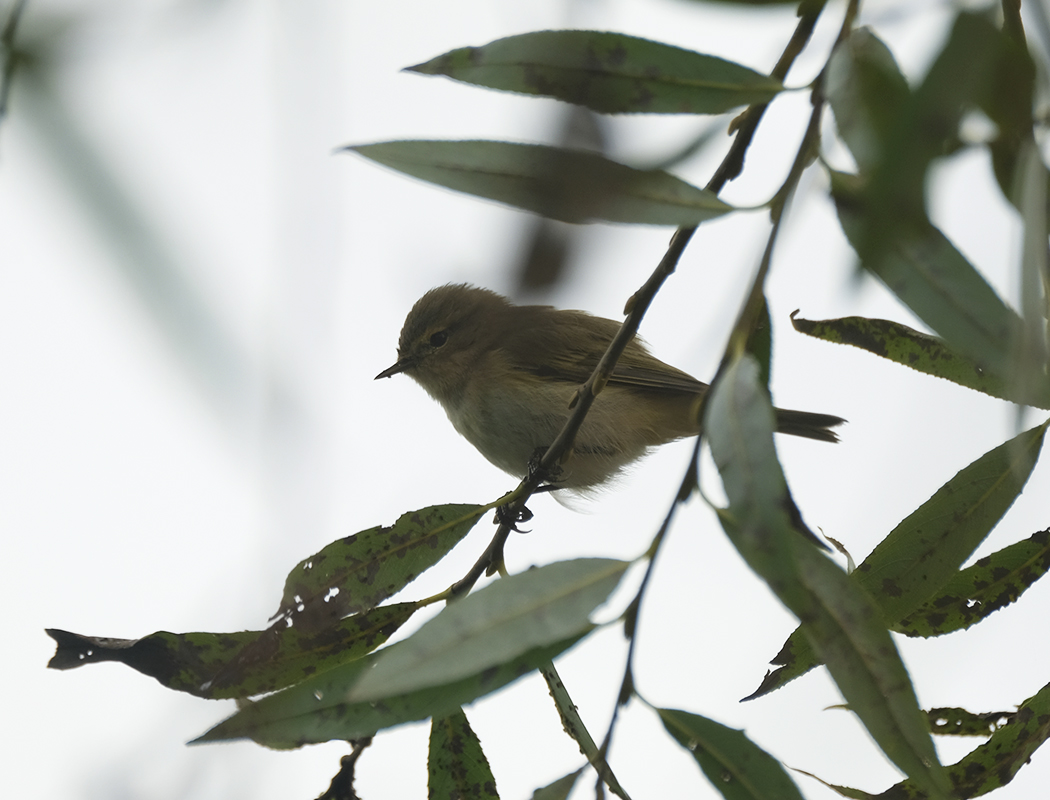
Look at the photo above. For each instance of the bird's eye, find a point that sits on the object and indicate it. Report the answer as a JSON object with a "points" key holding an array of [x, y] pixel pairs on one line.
{"points": [[438, 339]]}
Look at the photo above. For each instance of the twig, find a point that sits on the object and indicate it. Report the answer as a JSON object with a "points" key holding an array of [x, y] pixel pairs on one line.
{"points": [[733, 161], [7, 45], [342, 786]]}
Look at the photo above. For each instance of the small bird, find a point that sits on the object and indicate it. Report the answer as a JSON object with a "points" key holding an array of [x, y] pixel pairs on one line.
{"points": [[505, 375]]}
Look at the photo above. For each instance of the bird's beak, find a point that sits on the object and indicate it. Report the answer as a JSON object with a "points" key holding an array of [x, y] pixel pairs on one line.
{"points": [[400, 365]]}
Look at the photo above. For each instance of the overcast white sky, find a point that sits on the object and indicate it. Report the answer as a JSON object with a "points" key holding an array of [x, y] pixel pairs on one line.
{"points": [[150, 480]]}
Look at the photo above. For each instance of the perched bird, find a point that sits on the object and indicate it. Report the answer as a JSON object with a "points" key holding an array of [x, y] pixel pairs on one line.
{"points": [[505, 375]]}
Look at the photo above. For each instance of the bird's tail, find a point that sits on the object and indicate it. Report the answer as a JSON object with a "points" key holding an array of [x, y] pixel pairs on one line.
{"points": [[808, 424]]}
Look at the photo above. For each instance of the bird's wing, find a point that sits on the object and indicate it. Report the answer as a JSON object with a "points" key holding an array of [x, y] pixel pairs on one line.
{"points": [[637, 367]]}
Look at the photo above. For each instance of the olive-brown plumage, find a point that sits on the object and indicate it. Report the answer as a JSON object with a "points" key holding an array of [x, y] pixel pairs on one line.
{"points": [[505, 375]]}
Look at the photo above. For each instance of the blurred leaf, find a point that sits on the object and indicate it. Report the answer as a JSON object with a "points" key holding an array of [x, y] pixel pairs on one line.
{"points": [[919, 351], [189, 662], [976, 592], [359, 572], [924, 552], [508, 617], [867, 94], [607, 72], [978, 67], [935, 281], [569, 185], [960, 722], [549, 247], [457, 768], [317, 710], [737, 767], [559, 790], [994, 764], [839, 619]]}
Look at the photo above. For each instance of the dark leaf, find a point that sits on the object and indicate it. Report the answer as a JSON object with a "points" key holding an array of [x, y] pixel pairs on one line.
{"points": [[361, 571], [960, 722], [189, 662], [920, 351], [457, 768], [974, 593], [994, 764], [737, 767]]}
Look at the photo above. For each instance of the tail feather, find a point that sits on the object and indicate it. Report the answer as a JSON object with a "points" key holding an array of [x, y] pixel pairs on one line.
{"points": [[808, 424]]}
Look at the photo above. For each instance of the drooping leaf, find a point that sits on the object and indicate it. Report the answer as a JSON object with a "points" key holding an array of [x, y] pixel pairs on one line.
{"points": [[737, 767], [607, 72], [960, 722], [457, 768], [568, 185], [974, 593], [926, 549], [359, 572], [317, 710], [508, 617], [190, 662], [838, 618], [919, 351]]}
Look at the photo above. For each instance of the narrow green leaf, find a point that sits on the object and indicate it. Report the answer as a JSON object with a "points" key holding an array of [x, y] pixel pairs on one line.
{"points": [[190, 662], [568, 185], [925, 551], [838, 618], [317, 710], [559, 790], [994, 764], [359, 572], [960, 722], [976, 592], [457, 768], [737, 767], [919, 351], [607, 72], [508, 617]]}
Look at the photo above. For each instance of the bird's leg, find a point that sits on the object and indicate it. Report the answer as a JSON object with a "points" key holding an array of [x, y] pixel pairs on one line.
{"points": [[546, 478], [504, 516]]}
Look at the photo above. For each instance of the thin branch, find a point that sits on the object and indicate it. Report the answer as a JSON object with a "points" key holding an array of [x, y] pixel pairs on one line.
{"points": [[10, 56], [748, 315]]}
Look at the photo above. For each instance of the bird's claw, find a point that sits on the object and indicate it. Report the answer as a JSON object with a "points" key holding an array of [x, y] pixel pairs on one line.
{"points": [[505, 516]]}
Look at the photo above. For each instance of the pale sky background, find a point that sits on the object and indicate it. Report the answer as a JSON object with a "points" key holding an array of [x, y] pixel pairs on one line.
{"points": [[145, 486]]}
